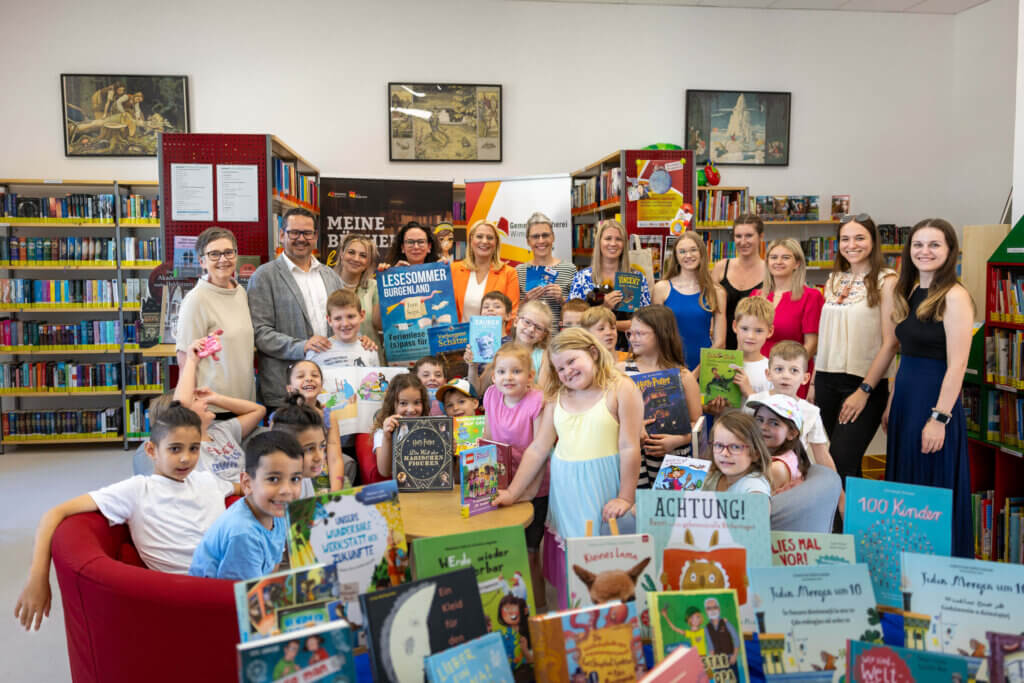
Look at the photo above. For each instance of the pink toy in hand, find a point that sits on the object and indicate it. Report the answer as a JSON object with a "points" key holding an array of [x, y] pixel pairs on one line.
{"points": [[211, 345]]}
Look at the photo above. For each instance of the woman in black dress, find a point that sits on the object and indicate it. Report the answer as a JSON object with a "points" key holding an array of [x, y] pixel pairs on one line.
{"points": [[744, 273]]}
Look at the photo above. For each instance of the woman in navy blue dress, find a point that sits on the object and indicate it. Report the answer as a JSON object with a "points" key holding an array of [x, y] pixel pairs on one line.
{"points": [[926, 427]]}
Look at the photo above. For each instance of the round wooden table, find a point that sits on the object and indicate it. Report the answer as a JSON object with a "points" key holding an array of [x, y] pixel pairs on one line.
{"points": [[437, 513]]}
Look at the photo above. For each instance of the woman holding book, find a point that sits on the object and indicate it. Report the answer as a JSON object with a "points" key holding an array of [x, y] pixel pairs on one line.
{"points": [[540, 235], [797, 306], [924, 421], [744, 273], [482, 271], [356, 257]]}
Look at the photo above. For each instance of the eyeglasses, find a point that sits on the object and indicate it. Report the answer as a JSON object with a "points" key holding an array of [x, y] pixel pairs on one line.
{"points": [[300, 234], [733, 448], [415, 243], [860, 218], [227, 254], [540, 236], [530, 325]]}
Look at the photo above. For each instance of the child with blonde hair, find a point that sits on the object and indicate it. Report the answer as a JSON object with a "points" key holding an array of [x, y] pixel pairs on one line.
{"points": [[600, 322]]}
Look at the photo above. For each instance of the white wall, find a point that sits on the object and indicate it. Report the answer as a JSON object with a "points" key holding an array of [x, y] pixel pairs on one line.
{"points": [[877, 98]]}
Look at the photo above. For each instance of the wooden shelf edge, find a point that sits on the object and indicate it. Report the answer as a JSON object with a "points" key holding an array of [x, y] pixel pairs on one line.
{"points": [[8, 441], [294, 156]]}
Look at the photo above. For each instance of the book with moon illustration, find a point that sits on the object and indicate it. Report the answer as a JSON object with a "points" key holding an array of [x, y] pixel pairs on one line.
{"points": [[287, 600], [320, 653], [405, 624], [705, 620], [422, 454], [479, 660], [596, 643], [873, 662]]}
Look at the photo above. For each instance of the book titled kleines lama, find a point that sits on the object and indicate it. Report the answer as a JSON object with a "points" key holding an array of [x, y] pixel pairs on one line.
{"points": [[421, 454]]}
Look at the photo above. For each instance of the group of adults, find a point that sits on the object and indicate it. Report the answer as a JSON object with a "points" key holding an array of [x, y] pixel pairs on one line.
{"points": [[853, 331]]}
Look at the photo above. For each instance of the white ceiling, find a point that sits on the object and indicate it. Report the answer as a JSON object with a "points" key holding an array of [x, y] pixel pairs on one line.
{"points": [[913, 6]]}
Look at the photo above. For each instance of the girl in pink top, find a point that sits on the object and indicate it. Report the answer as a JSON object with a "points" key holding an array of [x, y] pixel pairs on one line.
{"points": [[513, 407], [780, 420]]}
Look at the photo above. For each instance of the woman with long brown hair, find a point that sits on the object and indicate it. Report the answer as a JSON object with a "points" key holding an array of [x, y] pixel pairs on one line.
{"points": [[745, 272], [925, 422]]}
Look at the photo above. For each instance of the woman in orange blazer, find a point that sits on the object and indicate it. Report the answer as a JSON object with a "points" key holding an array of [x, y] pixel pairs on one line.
{"points": [[482, 271]]}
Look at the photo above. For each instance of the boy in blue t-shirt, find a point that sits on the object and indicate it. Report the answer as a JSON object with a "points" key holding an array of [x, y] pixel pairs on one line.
{"points": [[248, 540]]}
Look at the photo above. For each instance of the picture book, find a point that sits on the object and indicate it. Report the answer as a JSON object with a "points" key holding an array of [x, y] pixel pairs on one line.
{"points": [[872, 662], [797, 208], [446, 338], [481, 659], [468, 430], [682, 665], [498, 556], [840, 206], [663, 402], [805, 548], [805, 615], [405, 624], [1005, 657], [717, 369], [484, 336], [478, 480], [421, 454], [631, 286], [539, 276], [681, 473], [811, 207], [950, 603], [186, 263], [413, 298], [504, 461], [601, 642], [320, 653], [359, 529], [287, 601], [353, 396], [887, 518], [780, 207], [706, 620]]}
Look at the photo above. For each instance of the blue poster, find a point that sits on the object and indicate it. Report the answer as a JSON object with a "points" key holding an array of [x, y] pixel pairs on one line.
{"points": [[887, 518], [444, 338], [411, 300]]}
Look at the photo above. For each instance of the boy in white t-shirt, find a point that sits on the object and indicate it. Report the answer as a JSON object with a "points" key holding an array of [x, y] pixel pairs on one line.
{"points": [[344, 316], [167, 512], [753, 324]]}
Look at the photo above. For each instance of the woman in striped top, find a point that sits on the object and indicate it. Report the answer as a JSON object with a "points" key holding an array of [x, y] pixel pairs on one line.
{"points": [[541, 238]]}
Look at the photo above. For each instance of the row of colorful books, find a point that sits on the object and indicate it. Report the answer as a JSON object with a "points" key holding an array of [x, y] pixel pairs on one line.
{"points": [[583, 236], [720, 207], [137, 208], [290, 183], [141, 250], [78, 206], [1006, 295], [23, 291], [76, 251], [800, 207], [459, 212], [29, 335], [1003, 352], [136, 416], [590, 192], [28, 424], [1005, 419], [59, 376], [998, 534]]}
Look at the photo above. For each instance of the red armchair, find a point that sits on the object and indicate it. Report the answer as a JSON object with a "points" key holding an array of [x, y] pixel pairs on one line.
{"points": [[128, 623]]}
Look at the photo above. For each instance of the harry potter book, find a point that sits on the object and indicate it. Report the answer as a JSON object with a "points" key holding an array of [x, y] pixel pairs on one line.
{"points": [[422, 454]]}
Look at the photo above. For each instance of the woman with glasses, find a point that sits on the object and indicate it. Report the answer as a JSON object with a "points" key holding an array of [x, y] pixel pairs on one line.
{"points": [[356, 258], [413, 245], [742, 274], [482, 271], [797, 306], [218, 304], [540, 236], [855, 344]]}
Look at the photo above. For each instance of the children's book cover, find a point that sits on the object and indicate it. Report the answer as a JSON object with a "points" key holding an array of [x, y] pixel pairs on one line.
{"points": [[540, 276], [360, 529], [805, 548], [352, 396], [681, 473], [468, 431], [287, 600], [186, 263], [478, 480], [840, 206], [1005, 657], [887, 518], [811, 202], [873, 662], [421, 454], [445, 338], [599, 643], [706, 620], [413, 298], [481, 659], [321, 653], [805, 615], [950, 603], [663, 402], [504, 461], [631, 286], [498, 556], [682, 665], [717, 369], [484, 337], [405, 624]]}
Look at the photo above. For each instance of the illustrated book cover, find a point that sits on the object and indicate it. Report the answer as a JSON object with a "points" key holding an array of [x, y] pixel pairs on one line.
{"points": [[663, 402], [805, 548], [421, 454], [287, 600], [681, 473], [872, 662], [481, 659], [601, 642], [631, 286], [539, 276], [484, 337], [320, 653], [478, 480], [705, 620], [717, 369]]}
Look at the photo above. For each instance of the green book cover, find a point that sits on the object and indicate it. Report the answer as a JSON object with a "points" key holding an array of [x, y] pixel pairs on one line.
{"points": [[503, 575], [706, 620], [717, 369]]}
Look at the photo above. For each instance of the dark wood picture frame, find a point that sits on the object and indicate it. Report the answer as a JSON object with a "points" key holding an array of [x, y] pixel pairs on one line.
{"points": [[738, 127], [444, 121]]}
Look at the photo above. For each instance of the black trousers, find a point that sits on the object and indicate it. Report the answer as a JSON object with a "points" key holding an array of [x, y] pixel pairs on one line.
{"points": [[849, 441]]}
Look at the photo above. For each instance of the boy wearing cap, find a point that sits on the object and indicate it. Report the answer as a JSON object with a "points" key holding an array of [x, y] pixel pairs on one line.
{"points": [[458, 397]]}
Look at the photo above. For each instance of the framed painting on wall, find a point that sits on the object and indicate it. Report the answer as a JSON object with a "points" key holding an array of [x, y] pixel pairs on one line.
{"points": [[738, 127], [444, 122], [121, 116]]}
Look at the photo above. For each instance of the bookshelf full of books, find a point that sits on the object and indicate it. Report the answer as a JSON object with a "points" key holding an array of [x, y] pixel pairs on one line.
{"points": [[596, 195], [75, 257], [295, 183]]}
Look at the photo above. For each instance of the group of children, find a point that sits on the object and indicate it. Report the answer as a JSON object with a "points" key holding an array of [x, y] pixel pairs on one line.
{"points": [[563, 403]]}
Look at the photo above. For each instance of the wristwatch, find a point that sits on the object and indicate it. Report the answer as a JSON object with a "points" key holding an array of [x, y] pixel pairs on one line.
{"points": [[941, 417], [866, 388]]}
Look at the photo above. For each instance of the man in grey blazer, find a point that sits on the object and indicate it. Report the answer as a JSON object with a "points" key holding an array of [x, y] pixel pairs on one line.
{"points": [[288, 305]]}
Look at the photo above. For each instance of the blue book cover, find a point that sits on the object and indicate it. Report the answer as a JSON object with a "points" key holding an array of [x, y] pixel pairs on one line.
{"points": [[320, 653], [484, 337], [631, 286], [481, 659], [805, 615], [663, 402], [887, 518], [681, 473], [539, 276], [444, 338], [949, 603], [287, 601], [412, 299], [871, 662]]}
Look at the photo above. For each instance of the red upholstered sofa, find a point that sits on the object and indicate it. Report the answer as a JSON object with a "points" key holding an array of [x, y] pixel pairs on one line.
{"points": [[128, 623]]}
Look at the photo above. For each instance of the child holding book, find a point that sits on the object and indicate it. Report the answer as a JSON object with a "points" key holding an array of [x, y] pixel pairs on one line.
{"points": [[430, 370], [780, 421], [654, 340], [752, 325], [740, 461], [406, 397], [248, 540], [600, 322], [495, 304], [513, 407], [595, 414], [572, 313], [305, 424], [345, 316], [174, 502]]}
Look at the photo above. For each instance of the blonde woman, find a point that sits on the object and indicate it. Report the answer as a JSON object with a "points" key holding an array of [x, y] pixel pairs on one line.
{"points": [[482, 272], [797, 306], [357, 262], [609, 257], [695, 299]]}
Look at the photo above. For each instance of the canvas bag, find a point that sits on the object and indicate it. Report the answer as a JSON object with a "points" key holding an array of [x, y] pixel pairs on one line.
{"points": [[641, 259]]}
